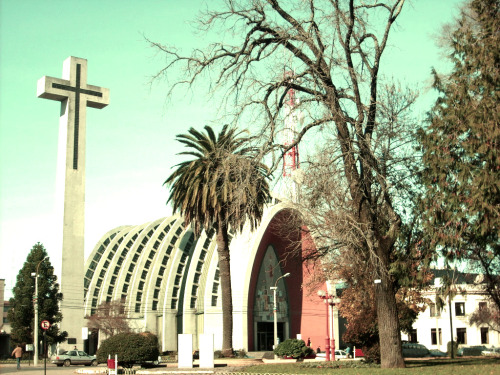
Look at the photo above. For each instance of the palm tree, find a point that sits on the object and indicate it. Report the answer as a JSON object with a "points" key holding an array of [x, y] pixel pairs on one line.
{"points": [[224, 186]]}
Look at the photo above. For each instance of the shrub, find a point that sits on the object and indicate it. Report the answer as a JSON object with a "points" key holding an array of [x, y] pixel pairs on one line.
{"points": [[372, 353], [131, 348], [293, 348], [218, 354], [241, 353], [308, 352], [455, 348]]}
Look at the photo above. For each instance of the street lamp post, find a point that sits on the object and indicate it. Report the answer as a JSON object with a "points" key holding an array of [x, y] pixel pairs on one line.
{"points": [[330, 301], [275, 313], [35, 325]]}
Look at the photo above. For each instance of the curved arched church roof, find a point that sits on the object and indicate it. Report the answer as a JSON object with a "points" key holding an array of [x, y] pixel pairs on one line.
{"points": [[146, 267], [167, 280]]}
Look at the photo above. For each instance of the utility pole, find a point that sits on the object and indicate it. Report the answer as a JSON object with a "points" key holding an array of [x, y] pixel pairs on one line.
{"points": [[35, 323]]}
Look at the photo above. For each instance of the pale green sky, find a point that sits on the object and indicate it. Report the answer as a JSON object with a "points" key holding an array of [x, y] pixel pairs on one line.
{"points": [[131, 143]]}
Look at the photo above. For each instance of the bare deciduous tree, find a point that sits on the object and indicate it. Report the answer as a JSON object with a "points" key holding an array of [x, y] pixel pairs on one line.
{"points": [[334, 49], [109, 318]]}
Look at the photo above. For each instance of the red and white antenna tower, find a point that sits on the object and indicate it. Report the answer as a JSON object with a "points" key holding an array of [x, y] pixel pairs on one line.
{"points": [[292, 117]]}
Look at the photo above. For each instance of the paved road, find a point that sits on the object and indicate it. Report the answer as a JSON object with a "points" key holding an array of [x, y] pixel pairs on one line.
{"points": [[221, 366]]}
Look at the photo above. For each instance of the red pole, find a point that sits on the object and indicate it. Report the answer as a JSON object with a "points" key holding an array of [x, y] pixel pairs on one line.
{"points": [[327, 340], [333, 334]]}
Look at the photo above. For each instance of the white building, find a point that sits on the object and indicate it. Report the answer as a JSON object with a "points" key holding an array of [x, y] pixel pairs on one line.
{"points": [[432, 327], [168, 283]]}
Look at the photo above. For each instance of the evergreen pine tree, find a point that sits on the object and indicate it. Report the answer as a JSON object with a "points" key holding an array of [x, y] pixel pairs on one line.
{"points": [[22, 314], [461, 147]]}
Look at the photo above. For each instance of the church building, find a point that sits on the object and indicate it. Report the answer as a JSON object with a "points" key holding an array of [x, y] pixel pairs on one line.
{"points": [[168, 282]]}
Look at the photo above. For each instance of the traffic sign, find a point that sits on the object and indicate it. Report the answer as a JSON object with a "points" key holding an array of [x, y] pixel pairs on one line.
{"points": [[45, 324]]}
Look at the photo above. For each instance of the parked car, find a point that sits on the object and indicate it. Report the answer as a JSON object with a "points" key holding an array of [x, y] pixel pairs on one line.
{"points": [[414, 350], [339, 354], [471, 350], [74, 357], [491, 351], [437, 353]]}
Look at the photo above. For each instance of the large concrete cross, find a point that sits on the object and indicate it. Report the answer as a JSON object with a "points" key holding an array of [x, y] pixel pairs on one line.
{"points": [[75, 96], [74, 88]]}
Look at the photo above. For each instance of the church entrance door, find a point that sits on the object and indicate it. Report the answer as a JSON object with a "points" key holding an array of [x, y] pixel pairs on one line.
{"points": [[265, 335]]}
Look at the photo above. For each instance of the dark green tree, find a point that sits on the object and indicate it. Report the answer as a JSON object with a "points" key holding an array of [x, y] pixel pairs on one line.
{"points": [[461, 153], [22, 314], [223, 187]]}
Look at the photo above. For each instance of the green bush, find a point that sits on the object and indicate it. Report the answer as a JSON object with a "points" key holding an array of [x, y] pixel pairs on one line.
{"points": [[372, 353], [241, 353], [455, 348], [308, 352], [293, 348], [218, 354], [131, 348]]}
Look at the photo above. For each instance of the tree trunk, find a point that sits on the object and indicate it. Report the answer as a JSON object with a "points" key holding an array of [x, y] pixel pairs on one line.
{"points": [[388, 325], [452, 351], [226, 293]]}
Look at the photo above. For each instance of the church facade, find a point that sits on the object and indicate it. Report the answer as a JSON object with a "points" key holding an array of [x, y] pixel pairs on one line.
{"points": [[168, 282]]}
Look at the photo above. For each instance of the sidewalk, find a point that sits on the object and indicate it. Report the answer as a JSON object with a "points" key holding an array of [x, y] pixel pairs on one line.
{"points": [[223, 365]]}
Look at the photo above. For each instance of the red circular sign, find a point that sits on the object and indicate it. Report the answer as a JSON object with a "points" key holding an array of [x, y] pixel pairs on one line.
{"points": [[45, 324]]}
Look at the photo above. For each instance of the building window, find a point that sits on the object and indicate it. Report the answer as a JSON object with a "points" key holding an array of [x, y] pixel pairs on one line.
{"points": [[412, 337], [434, 311], [461, 336], [459, 308], [483, 305], [435, 337], [484, 335]]}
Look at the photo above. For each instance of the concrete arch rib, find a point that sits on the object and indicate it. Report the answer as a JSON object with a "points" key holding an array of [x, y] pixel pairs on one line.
{"points": [[156, 252], [122, 259], [94, 266], [139, 267]]}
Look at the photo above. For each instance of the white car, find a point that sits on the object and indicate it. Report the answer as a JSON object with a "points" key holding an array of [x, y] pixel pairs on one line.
{"points": [[491, 351], [339, 354]]}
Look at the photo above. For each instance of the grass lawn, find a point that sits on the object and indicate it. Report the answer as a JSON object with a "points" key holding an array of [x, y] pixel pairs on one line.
{"points": [[461, 366]]}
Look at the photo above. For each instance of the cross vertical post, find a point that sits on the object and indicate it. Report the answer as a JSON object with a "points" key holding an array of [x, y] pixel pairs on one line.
{"points": [[75, 96]]}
